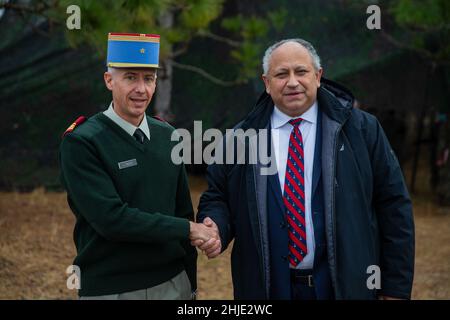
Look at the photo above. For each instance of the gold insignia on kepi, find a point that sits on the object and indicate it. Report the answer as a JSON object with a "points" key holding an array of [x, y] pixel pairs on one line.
{"points": [[77, 122], [142, 50]]}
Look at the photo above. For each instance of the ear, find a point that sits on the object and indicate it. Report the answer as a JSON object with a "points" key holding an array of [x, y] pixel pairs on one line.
{"points": [[319, 76], [107, 76], [266, 83]]}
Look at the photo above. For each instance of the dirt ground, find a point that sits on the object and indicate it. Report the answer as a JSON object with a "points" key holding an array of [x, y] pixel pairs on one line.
{"points": [[36, 247]]}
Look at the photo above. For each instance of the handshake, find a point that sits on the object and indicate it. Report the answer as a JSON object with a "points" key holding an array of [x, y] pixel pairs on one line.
{"points": [[205, 236]]}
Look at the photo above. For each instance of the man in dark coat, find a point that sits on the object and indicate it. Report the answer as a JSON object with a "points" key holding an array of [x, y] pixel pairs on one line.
{"points": [[335, 219]]}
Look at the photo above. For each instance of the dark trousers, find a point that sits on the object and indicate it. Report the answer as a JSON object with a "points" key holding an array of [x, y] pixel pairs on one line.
{"points": [[302, 285]]}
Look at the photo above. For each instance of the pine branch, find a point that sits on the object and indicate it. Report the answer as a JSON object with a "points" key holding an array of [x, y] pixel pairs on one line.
{"points": [[184, 47], [206, 75], [38, 9], [423, 52], [402, 45], [208, 34]]}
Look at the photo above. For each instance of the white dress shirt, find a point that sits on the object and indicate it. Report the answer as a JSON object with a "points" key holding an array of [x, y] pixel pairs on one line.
{"points": [[281, 131], [125, 125]]}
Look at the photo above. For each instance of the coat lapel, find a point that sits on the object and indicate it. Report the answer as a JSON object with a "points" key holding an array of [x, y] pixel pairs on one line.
{"points": [[317, 164]]}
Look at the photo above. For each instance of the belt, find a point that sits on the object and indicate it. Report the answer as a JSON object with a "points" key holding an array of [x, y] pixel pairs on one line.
{"points": [[303, 277]]}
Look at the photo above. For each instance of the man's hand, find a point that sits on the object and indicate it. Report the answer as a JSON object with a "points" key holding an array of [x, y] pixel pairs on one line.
{"points": [[201, 232], [213, 246]]}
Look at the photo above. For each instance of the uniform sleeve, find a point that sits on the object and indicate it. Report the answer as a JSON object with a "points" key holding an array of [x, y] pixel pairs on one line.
{"points": [[184, 210], [395, 217], [94, 196]]}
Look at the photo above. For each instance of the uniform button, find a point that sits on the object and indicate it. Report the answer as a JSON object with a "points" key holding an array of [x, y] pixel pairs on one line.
{"points": [[284, 257], [282, 225]]}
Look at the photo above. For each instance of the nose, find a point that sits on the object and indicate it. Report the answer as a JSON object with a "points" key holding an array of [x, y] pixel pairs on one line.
{"points": [[140, 86], [292, 81]]}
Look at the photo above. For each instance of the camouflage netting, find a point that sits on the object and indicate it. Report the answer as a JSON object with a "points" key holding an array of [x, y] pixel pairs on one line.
{"points": [[45, 85]]}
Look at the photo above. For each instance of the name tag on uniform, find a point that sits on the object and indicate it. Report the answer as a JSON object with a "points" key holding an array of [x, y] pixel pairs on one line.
{"points": [[127, 164]]}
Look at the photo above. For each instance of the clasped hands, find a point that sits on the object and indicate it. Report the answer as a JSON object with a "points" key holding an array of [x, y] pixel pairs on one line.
{"points": [[205, 236]]}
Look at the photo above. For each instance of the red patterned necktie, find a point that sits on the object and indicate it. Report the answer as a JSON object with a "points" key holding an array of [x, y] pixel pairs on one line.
{"points": [[294, 195]]}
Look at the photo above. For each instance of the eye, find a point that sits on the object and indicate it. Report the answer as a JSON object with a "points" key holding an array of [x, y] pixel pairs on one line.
{"points": [[149, 79], [301, 72], [280, 75], [130, 77]]}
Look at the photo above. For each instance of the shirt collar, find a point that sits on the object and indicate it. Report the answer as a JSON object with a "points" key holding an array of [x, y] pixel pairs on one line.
{"points": [[279, 118], [125, 125]]}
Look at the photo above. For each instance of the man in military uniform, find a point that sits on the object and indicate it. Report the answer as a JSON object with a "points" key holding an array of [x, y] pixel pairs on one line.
{"points": [[131, 202]]}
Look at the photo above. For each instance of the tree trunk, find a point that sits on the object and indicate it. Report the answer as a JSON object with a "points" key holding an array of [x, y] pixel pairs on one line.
{"points": [[164, 81], [164, 91]]}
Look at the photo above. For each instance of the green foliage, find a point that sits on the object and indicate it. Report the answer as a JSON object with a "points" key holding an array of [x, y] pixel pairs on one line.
{"points": [[431, 14], [422, 26], [425, 25], [97, 19], [253, 31], [277, 18], [232, 24], [249, 58], [191, 18], [102, 16], [198, 14]]}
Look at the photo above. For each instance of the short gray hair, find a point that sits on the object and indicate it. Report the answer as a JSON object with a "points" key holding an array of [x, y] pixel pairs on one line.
{"points": [[308, 46], [111, 70]]}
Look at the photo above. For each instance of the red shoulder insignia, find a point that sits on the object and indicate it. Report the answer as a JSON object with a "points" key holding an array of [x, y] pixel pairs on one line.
{"points": [[77, 122], [159, 118]]}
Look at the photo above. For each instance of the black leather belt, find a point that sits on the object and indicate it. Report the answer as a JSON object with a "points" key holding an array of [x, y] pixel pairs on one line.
{"points": [[303, 277]]}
